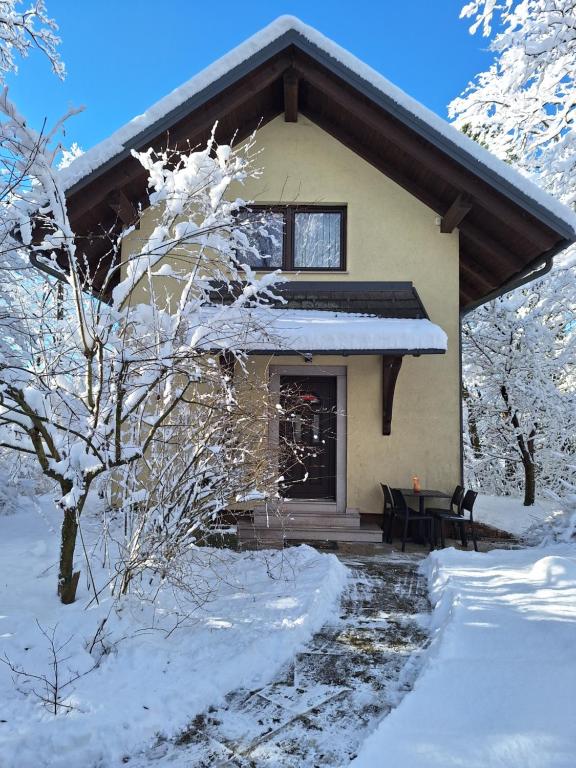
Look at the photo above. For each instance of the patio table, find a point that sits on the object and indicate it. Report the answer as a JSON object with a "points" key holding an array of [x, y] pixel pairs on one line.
{"points": [[423, 494]]}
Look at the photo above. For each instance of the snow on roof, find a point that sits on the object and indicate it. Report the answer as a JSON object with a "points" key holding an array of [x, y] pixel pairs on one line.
{"points": [[301, 330], [121, 139]]}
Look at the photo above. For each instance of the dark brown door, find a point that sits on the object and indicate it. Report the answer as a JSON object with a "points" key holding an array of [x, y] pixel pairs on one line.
{"points": [[308, 437]]}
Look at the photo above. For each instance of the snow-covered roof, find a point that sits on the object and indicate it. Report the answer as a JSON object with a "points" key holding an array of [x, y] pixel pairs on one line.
{"points": [[280, 33], [297, 330]]}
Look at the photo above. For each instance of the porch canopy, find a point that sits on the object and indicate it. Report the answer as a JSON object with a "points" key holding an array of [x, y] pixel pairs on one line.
{"points": [[332, 318], [264, 330], [395, 325]]}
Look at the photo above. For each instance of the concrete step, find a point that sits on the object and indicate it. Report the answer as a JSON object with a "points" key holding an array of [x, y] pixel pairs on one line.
{"points": [[305, 520], [366, 534], [349, 535]]}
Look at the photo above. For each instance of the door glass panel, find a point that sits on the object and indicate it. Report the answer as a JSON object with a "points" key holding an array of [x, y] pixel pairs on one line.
{"points": [[307, 436], [317, 240], [316, 428]]}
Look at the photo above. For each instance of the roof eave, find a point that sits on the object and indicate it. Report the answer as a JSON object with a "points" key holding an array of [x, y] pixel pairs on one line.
{"points": [[533, 271], [397, 110], [347, 352]]}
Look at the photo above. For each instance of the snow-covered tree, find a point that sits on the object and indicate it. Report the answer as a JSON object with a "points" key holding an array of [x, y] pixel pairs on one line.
{"points": [[523, 107], [102, 385], [519, 350], [91, 387], [520, 392], [25, 29]]}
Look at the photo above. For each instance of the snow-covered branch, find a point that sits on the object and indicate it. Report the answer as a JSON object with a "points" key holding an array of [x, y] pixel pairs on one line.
{"points": [[133, 387], [22, 31]]}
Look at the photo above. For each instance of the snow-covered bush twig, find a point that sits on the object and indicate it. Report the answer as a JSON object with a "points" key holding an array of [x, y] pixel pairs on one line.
{"points": [[54, 684], [520, 393]]}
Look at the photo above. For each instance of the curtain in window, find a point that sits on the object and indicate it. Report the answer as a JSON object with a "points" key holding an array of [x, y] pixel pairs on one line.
{"points": [[317, 240]]}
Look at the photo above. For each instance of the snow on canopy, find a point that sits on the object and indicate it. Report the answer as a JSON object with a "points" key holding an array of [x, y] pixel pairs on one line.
{"points": [[314, 331], [121, 139]]}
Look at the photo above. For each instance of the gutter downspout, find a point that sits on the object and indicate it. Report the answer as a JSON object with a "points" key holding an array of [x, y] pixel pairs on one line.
{"points": [[40, 265], [526, 276]]}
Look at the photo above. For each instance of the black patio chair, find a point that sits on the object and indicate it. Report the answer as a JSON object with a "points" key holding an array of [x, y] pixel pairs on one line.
{"points": [[453, 507], [408, 515], [387, 513], [460, 519]]}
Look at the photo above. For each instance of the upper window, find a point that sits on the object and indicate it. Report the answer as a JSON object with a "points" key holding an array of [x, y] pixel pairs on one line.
{"points": [[296, 237]]}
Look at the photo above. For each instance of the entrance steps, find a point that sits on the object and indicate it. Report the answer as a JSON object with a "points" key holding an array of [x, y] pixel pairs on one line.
{"points": [[274, 527]]}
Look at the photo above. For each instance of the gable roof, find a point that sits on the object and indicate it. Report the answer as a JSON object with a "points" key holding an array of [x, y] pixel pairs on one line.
{"points": [[508, 225]]}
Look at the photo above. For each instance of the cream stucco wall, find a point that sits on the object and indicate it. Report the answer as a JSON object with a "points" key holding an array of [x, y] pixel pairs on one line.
{"points": [[391, 236]]}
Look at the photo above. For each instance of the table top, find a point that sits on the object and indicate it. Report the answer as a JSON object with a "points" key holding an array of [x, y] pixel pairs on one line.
{"points": [[425, 493]]}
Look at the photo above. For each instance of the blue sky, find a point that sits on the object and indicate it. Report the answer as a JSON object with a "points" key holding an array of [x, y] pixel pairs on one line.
{"points": [[122, 55]]}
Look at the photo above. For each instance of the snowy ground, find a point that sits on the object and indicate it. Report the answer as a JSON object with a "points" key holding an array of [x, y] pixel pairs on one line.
{"points": [[297, 661], [497, 688], [323, 703], [150, 683], [509, 514]]}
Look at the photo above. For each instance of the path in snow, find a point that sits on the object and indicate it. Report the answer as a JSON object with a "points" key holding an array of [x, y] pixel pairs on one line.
{"points": [[318, 710]]}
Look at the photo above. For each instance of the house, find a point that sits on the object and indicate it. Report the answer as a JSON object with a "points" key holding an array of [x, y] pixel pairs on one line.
{"points": [[381, 208]]}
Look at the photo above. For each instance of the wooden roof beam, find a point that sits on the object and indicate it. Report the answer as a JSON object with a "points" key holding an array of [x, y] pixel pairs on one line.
{"points": [[123, 208], [484, 242], [487, 281], [456, 213], [291, 96]]}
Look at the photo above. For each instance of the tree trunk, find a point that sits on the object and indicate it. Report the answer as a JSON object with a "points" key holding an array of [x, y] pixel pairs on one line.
{"points": [[67, 578], [529, 482], [472, 425], [527, 449]]}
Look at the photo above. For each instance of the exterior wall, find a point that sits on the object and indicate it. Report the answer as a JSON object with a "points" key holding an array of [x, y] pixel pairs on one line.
{"points": [[391, 236], [425, 437]]}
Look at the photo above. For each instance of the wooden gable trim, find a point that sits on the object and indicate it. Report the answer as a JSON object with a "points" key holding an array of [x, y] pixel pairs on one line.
{"points": [[190, 131], [424, 154]]}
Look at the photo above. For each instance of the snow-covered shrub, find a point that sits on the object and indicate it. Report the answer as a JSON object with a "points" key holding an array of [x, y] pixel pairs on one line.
{"points": [[20, 479], [558, 527], [95, 385]]}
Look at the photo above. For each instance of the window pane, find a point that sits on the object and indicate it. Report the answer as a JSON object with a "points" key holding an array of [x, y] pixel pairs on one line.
{"points": [[317, 239], [265, 233]]}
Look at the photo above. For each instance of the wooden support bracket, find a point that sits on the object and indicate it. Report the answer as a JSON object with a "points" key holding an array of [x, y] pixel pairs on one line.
{"points": [[291, 96], [227, 361], [454, 215], [390, 370], [123, 208]]}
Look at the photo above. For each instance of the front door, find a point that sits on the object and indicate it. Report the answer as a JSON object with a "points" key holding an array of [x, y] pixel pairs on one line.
{"points": [[308, 437]]}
